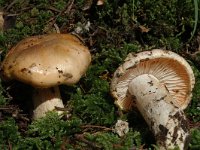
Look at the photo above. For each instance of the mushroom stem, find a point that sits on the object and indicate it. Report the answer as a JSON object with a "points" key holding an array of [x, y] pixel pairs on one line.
{"points": [[167, 122], [45, 100]]}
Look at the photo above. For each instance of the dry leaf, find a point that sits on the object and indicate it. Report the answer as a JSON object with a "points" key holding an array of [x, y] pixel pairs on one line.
{"points": [[100, 2], [87, 4], [1, 21], [144, 29]]}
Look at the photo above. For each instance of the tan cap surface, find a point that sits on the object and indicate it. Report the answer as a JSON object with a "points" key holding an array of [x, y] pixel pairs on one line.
{"points": [[47, 60], [168, 67]]}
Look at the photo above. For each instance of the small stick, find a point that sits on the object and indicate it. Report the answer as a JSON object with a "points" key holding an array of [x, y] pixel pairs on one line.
{"points": [[81, 138], [95, 126]]}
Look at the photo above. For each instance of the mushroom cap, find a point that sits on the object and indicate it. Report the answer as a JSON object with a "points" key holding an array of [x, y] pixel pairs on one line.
{"points": [[168, 67], [47, 60]]}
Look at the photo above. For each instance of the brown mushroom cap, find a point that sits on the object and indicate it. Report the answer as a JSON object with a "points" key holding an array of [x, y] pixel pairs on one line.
{"points": [[168, 67], [47, 60]]}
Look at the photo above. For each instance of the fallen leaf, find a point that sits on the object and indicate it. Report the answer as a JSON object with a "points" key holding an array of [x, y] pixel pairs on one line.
{"points": [[144, 29], [87, 4], [100, 2], [1, 21]]}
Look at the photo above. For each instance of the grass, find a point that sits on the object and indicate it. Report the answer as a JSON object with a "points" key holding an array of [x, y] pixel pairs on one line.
{"points": [[117, 28], [196, 3]]}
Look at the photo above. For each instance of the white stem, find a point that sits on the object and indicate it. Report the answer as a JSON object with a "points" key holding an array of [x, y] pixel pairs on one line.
{"points": [[45, 100], [167, 122]]}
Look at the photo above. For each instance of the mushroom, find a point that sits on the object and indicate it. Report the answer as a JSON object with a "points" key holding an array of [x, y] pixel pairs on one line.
{"points": [[159, 83], [45, 62]]}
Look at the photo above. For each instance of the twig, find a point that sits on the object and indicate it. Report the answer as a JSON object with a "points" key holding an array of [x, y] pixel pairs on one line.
{"points": [[53, 9], [194, 124], [57, 28], [52, 21], [10, 5], [69, 7], [63, 109], [81, 138], [15, 111], [9, 107], [95, 126], [192, 57], [9, 145]]}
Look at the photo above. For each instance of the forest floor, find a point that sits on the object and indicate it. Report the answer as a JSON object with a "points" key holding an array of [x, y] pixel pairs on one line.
{"points": [[111, 31]]}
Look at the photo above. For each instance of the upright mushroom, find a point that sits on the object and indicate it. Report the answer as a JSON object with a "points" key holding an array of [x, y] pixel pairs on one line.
{"points": [[159, 83], [45, 62]]}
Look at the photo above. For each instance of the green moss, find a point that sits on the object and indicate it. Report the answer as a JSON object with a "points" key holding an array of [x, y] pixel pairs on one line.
{"points": [[193, 111], [60, 5], [3, 99], [52, 126], [109, 141], [9, 134], [48, 133], [93, 108], [195, 144]]}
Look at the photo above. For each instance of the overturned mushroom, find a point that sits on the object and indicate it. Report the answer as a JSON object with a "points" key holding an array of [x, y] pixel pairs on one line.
{"points": [[45, 62], [159, 83]]}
